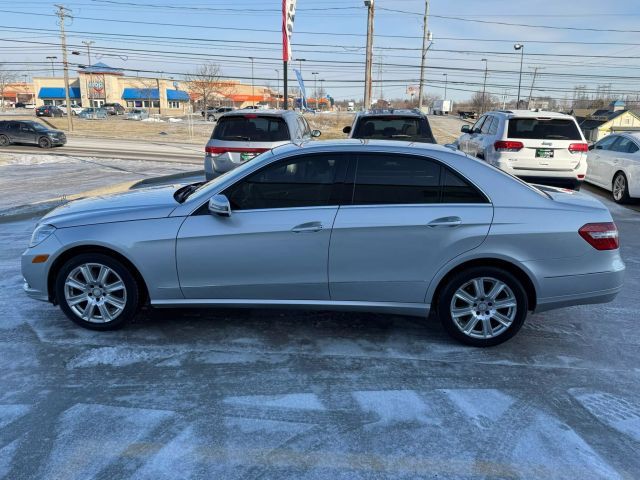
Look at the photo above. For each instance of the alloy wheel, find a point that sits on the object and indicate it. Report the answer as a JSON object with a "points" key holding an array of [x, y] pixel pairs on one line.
{"points": [[619, 187], [95, 293], [483, 307]]}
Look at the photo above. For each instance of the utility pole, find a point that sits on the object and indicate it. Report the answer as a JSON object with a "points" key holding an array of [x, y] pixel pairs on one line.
{"points": [[533, 81], [446, 77], [516, 47], [88, 43], [315, 87], [425, 39], [369, 57], [484, 85], [277, 88], [380, 62], [53, 70], [253, 102], [63, 13]]}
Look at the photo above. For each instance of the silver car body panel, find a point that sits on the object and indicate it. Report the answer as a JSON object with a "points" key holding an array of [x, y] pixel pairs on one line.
{"points": [[382, 258]]}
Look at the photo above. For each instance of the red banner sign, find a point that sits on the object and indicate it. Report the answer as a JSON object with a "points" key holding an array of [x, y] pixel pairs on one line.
{"points": [[288, 15]]}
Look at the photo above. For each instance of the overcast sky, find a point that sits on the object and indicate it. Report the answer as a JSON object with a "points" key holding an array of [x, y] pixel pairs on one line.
{"points": [[227, 32]]}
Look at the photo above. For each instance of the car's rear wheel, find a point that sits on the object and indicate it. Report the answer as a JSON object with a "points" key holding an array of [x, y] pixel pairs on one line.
{"points": [[4, 141], [620, 188], [97, 292], [482, 306], [211, 118], [44, 142]]}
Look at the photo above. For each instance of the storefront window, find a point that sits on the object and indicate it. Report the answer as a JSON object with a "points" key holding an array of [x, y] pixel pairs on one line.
{"points": [[174, 104]]}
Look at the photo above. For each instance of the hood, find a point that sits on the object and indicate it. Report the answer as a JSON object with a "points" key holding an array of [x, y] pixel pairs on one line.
{"points": [[139, 204]]}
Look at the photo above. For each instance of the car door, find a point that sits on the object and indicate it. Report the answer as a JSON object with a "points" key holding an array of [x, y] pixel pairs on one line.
{"points": [[27, 134], [275, 243], [408, 217], [485, 135], [469, 141], [621, 156], [13, 132], [597, 159]]}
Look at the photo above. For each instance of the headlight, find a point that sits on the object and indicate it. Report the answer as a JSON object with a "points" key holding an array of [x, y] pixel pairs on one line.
{"points": [[40, 234]]}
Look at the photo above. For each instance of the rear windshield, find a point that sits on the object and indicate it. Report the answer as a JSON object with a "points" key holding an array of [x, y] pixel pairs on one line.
{"points": [[251, 128], [393, 128], [544, 129]]}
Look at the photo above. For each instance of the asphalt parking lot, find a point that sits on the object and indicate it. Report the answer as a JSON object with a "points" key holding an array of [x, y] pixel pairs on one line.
{"points": [[276, 394]]}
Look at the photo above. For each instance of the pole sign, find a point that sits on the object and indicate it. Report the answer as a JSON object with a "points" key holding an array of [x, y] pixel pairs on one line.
{"points": [[288, 15], [303, 92]]}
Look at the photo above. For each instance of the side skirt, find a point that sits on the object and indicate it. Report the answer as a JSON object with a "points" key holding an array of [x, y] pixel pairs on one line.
{"points": [[413, 309]]}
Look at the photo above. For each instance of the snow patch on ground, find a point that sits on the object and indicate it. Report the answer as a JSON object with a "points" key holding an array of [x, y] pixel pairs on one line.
{"points": [[396, 406], [91, 437], [300, 401], [612, 410], [480, 404], [118, 357], [33, 159], [6, 457], [10, 413]]}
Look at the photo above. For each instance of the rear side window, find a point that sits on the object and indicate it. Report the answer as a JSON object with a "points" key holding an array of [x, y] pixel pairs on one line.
{"points": [[251, 128], [543, 129], [391, 127], [625, 145], [396, 179], [455, 189]]}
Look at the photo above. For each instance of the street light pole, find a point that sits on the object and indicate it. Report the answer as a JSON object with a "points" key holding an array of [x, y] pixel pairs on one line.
{"points": [[445, 85], [369, 55], [519, 46], [252, 85], [53, 70], [277, 88], [315, 87], [484, 85], [88, 43]]}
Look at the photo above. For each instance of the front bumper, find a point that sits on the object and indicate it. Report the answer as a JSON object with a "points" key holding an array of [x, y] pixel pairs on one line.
{"points": [[36, 274]]}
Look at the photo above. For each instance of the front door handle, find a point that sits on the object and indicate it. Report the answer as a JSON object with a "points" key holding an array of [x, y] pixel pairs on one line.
{"points": [[445, 222], [307, 227]]}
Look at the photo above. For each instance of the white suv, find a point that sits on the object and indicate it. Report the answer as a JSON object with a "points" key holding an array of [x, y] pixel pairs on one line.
{"points": [[539, 147]]}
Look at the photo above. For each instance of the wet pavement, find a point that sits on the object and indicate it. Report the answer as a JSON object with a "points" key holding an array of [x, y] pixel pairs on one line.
{"points": [[270, 394]]}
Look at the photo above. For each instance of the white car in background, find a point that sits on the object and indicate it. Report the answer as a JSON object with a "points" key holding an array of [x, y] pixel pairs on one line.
{"points": [[539, 147], [75, 108], [614, 164]]}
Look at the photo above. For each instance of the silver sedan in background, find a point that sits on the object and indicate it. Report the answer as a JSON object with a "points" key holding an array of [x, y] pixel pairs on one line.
{"points": [[346, 225]]}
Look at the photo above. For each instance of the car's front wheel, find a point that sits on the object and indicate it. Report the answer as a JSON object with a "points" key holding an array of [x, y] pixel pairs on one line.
{"points": [[482, 306], [97, 292], [44, 142], [4, 141], [620, 188]]}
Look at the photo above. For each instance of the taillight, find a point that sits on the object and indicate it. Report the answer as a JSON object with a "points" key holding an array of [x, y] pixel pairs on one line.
{"points": [[601, 236], [578, 147], [221, 150], [508, 146]]}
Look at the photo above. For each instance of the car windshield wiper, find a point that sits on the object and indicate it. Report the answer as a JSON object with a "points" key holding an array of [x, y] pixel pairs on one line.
{"points": [[183, 192], [237, 137]]}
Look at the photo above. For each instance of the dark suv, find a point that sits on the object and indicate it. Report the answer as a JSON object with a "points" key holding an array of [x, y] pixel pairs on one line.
{"points": [[49, 111], [406, 125], [114, 109], [28, 131]]}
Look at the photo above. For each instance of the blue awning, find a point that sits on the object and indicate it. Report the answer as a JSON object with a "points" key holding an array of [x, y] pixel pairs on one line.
{"points": [[58, 92], [178, 95], [140, 94]]}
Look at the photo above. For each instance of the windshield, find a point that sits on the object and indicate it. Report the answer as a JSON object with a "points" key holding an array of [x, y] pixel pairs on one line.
{"points": [[251, 128], [544, 129], [37, 126], [393, 128]]}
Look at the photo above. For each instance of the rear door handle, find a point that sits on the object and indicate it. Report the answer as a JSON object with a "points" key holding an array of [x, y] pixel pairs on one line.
{"points": [[445, 222], [307, 227]]}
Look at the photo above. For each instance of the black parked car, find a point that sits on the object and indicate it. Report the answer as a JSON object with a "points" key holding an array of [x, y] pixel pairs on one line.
{"points": [[28, 131], [407, 125], [114, 109], [49, 111]]}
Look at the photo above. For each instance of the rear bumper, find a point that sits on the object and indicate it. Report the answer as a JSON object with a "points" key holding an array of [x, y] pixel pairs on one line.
{"points": [[565, 182]]}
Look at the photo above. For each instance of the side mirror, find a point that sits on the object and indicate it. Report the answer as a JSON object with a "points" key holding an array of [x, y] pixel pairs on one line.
{"points": [[219, 205], [316, 133], [598, 147], [465, 129], [591, 147], [346, 129]]}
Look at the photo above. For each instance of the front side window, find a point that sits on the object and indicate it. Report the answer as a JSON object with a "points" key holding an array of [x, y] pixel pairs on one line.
{"points": [[486, 126], [396, 179], [251, 128], [305, 181], [478, 125], [607, 142]]}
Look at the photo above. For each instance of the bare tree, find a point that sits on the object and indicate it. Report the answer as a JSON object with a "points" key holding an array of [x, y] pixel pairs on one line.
{"points": [[6, 78], [206, 83]]}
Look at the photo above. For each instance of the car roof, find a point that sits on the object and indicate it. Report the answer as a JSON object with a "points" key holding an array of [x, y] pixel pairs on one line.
{"points": [[391, 112], [361, 144], [528, 114], [262, 113]]}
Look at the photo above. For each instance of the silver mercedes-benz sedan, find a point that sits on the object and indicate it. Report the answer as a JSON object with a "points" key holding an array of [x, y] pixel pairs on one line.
{"points": [[346, 225]]}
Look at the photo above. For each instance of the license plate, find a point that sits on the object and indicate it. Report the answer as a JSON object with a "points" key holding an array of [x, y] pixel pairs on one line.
{"points": [[544, 153], [244, 156]]}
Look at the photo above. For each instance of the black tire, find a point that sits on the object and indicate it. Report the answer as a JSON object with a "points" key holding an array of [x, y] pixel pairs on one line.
{"points": [[211, 118], [44, 142], [4, 141], [444, 302], [623, 196], [132, 296]]}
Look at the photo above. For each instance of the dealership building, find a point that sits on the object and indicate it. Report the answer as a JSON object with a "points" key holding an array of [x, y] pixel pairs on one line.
{"points": [[99, 84]]}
